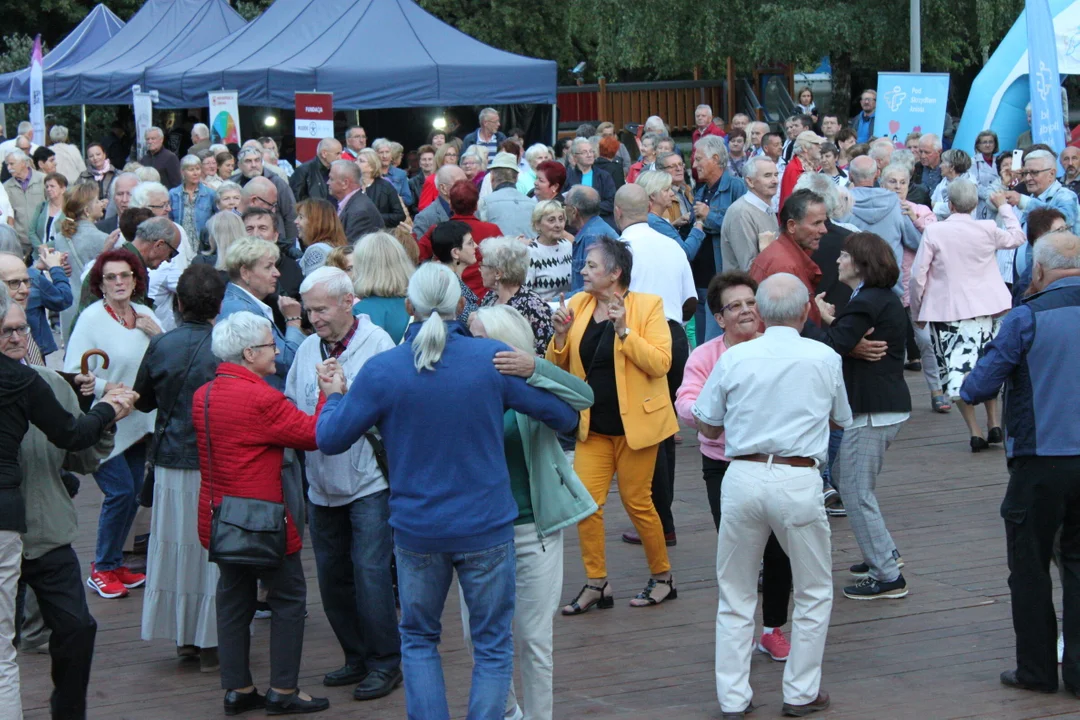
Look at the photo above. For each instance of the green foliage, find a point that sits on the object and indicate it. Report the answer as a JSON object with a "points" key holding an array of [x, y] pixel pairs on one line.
{"points": [[251, 9], [54, 18]]}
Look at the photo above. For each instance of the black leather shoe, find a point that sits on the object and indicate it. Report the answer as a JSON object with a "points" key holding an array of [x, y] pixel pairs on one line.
{"points": [[1009, 678], [377, 684], [978, 443], [236, 703], [292, 704], [995, 436], [344, 675]]}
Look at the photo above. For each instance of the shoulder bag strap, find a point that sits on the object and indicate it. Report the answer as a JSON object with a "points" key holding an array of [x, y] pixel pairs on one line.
{"points": [[209, 446], [187, 372]]}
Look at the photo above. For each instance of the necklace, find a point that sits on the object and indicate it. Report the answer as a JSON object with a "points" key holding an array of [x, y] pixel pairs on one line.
{"points": [[117, 318]]}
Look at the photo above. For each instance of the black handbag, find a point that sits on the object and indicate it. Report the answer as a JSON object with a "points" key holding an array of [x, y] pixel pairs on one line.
{"points": [[243, 531]]}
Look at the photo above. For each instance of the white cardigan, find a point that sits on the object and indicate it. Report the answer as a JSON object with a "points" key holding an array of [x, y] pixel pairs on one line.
{"points": [[95, 328]]}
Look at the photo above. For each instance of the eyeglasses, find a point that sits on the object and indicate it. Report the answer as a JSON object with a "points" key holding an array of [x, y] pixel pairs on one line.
{"points": [[162, 206], [21, 331], [264, 345], [1033, 173], [113, 277], [268, 205], [17, 283], [739, 305]]}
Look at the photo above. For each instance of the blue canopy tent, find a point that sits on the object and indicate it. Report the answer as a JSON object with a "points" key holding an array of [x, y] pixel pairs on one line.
{"points": [[94, 31], [162, 31], [371, 54]]}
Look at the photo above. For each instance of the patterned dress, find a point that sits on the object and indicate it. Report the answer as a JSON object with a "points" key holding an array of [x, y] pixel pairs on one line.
{"points": [[549, 269], [535, 310]]}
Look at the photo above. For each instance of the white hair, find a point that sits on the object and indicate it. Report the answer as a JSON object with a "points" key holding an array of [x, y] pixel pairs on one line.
{"points": [[862, 171], [140, 195], [249, 151], [218, 148], [903, 156], [1054, 251], [508, 325], [222, 229], [533, 153], [190, 161], [326, 142], [963, 195], [18, 156], [236, 333], [755, 165], [58, 134], [148, 174], [825, 188], [25, 126], [434, 291], [200, 130], [486, 112], [703, 106], [337, 282], [881, 149], [5, 303], [653, 181], [713, 145], [781, 299], [1041, 155], [655, 123], [935, 141], [153, 129]]}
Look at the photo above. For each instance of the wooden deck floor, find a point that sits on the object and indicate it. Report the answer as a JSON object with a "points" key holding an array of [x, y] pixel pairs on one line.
{"points": [[935, 654]]}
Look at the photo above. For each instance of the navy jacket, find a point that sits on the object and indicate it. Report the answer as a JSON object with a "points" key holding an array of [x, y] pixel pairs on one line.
{"points": [[602, 183], [1034, 356], [595, 228]]}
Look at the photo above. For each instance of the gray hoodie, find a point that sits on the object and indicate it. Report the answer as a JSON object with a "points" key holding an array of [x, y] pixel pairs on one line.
{"points": [[878, 211]]}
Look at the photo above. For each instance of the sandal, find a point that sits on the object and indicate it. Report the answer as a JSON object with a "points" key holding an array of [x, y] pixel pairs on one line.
{"points": [[940, 404], [646, 594], [604, 602]]}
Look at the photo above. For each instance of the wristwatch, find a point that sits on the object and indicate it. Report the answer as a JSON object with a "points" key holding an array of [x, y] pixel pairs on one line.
{"points": [[624, 334]]}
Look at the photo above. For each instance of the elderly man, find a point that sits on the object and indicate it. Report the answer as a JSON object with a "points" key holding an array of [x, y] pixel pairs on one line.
{"points": [[703, 124], [506, 206], [25, 131], [1041, 396], [26, 192], [830, 125], [740, 121], [928, 170], [358, 214], [1024, 141], [878, 211], [757, 132], [1043, 191], [438, 211], [715, 193], [806, 157], [164, 276], [682, 205], [661, 268], [881, 151], [771, 486], [863, 122], [582, 172], [487, 135], [583, 211], [750, 219], [120, 200], [36, 291], [310, 179], [250, 163], [349, 497], [802, 225], [1070, 160], [69, 161], [161, 158], [200, 139], [355, 141]]}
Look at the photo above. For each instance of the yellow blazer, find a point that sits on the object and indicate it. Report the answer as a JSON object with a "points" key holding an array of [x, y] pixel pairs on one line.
{"points": [[642, 362]]}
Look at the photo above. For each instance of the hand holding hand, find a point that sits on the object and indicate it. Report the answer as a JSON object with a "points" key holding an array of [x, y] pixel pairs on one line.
{"points": [[701, 210], [869, 350], [147, 325], [331, 377], [122, 401], [999, 198], [50, 257], [1012, 197], [515, 362], [827, 310], [85, 383]]}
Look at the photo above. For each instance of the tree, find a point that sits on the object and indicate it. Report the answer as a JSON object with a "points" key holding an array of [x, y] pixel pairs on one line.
{"points": [[54, 18]]}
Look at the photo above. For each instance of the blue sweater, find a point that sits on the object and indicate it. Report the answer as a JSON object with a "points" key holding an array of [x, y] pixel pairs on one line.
{"points": [[443, 431]]}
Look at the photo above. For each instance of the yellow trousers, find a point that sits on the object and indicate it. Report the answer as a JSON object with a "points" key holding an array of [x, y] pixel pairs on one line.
{"points": [[598, 459]]}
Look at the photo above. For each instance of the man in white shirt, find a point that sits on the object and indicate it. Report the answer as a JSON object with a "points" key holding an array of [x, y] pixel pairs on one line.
{"points": [[750, 216], [26, 130], [163, 278], [660, 268], [776, 397]]}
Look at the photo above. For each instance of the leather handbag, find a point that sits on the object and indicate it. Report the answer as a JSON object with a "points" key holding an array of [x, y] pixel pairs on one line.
{"points": [[243, 531]]}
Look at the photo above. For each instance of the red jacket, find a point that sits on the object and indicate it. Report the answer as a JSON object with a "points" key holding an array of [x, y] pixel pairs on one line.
{"points": [[711, 130], [792, 173], [480, 231], [252, 425], [785, 256]]}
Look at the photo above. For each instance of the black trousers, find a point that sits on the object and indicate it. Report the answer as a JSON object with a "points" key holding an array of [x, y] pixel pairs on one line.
{"points": [[236, 597], [1043, 496], [663, 485], [776, 574], [57, 581]]}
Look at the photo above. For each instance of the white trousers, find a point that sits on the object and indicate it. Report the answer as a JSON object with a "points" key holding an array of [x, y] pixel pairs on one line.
{"points": [[539, 584], [10, 568], [756, 499]]}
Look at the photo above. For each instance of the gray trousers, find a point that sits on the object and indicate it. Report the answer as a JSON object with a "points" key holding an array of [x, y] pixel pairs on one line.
{"points": [[855, 476], [287, 595]]}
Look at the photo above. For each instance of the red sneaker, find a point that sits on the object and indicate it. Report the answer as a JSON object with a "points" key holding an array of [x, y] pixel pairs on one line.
{"points": [[128, 578], [105, 583], [775, 645]]}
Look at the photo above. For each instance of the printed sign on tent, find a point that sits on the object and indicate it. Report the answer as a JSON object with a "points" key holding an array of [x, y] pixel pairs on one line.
{"points": [[143, 104], [314, 121], [910, 102], [224, 117]]}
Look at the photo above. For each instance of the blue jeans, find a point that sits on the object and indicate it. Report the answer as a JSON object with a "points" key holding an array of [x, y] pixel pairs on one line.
{"points": [[835, 438], [120, 480], [705, 319], [353, 547], [488, 580]]}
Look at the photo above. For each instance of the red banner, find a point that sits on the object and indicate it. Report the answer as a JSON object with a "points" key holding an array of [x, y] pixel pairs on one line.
{"points": [[314, 121]]}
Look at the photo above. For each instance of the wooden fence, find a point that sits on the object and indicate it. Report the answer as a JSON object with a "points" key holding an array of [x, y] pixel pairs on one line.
{"points": [[623, 103]]}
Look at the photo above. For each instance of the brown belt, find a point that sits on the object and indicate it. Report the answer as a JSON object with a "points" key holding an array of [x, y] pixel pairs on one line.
{"points": [[778, 460]]}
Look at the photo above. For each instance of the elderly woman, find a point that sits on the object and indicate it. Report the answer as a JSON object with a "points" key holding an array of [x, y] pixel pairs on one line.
{"points": [[897, 178], [242, 427], [830, 156], [320, 231], [619, 343], [535, 155], [955, 163], [607, 151], [550, 253], [443, 375], [549, 497], [984, 169], [226, 165], [550, 181], [446, 154], [178, 603], [123, 330], [98, 170], [474, 162], [381, 272], [504, 270], [648, 157], [378, 188], [192, 202], [222, 230], [390, 154], [658, 185], [452, 245], [48, 214], [227, 197], [208, 163], [956, 288], [875, 390]]}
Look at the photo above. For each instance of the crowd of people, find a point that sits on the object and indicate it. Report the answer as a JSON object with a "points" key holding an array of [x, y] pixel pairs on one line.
{"points": [[271, 334]]}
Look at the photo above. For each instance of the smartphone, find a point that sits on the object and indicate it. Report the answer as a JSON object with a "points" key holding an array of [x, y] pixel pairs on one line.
{"points": [[1017, 160]]}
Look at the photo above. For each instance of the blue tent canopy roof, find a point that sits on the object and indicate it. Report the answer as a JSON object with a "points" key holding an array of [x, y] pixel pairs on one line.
{"points": [[370, 53], [94, 31], [163, 31]]}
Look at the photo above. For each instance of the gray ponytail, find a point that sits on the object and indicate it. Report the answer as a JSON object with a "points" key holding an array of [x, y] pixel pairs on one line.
{"points": [[434, 292]]}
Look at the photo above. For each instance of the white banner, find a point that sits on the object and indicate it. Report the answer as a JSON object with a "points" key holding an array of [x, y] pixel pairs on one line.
{"points": [[314, 129], [37, 96], [224, 117], [143, 103]]}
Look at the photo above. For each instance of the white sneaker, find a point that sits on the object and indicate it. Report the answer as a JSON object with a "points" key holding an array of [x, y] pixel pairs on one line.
{"points": [[1061, 647]]}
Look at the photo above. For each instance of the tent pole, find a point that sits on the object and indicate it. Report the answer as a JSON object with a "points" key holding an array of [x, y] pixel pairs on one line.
{"points": [[554, 124], [83, 126]]}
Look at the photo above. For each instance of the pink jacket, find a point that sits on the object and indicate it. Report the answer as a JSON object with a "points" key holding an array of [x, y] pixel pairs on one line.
{"points": [[923, 216], [955, 275], [696, 372]]}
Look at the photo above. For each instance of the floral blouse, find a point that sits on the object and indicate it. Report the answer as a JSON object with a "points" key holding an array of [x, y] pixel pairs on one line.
{"points": [[535, 310]]}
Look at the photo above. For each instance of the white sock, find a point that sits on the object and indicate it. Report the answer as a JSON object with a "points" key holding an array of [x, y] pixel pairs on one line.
{"points": [[767, 630]]}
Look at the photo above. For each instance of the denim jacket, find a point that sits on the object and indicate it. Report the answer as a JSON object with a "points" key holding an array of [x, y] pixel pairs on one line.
{"points": [[204, 207], [595, 227], [728, 189], [45, 295]]}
